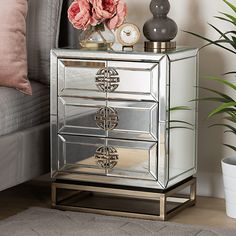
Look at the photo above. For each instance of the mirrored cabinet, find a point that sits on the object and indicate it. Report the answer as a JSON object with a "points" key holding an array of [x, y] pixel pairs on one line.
{"points": [[124, 119]]}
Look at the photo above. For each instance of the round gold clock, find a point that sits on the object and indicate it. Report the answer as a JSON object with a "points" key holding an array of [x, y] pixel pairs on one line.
{"points": [[128, 34]]}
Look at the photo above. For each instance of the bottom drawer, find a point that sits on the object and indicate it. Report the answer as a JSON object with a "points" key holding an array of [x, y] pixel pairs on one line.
{"points": [[108, 157]]}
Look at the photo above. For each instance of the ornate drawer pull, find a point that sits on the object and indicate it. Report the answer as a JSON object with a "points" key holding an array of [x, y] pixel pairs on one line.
{"points": [[107, 80], [106, 157], [107, 118]]}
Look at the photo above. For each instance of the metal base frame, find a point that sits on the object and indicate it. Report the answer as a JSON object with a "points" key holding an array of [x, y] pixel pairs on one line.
{"points": [[164, 199]]}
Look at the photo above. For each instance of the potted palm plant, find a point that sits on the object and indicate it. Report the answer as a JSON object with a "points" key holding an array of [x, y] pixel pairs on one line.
{"points": [[226, 105]]}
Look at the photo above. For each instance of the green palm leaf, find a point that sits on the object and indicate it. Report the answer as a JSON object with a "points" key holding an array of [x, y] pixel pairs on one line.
{"points": [[230, 73], [231, 42], [232, 18], [224, 19], [211, 99], [230, 5], [180, 108], [229, 131], [223, 81], [221, 33], [223, 41], [228, 98], [234, 42], [230, 127], [180, 121], [232, 113], [231, 118], [223, 108], [230, 146], [180, 127], [230, 32], [210, 41]]}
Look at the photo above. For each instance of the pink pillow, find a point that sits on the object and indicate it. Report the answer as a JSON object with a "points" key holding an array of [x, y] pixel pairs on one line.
{"points": [[13, 59]]}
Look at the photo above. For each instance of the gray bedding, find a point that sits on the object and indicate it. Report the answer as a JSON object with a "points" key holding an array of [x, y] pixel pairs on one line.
{"points": [[19, 111], [24, 155]]}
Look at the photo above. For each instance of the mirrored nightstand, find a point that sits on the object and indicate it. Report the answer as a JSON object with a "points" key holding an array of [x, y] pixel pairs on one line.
{"points": [[124, 123]]}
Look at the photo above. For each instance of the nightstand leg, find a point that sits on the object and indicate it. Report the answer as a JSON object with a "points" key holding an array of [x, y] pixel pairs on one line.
{"points": [[193, 191], [54, 195], [163, 207]]}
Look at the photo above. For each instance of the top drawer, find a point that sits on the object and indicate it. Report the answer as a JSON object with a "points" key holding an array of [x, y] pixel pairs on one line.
{"points": [[108, 79]]}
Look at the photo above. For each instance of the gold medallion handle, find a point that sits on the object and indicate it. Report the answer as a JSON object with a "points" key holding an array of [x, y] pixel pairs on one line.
{"points": [[106, 157], [107, 80], [107, 118]]}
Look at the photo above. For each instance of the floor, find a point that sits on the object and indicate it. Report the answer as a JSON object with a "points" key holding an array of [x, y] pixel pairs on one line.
{"points": [[208, 211]]}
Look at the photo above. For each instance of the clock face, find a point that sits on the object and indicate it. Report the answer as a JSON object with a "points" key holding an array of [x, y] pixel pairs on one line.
{"points": [[128, 34]]}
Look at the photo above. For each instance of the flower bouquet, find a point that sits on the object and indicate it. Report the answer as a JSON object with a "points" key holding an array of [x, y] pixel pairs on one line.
{"points": [[97, 19]]}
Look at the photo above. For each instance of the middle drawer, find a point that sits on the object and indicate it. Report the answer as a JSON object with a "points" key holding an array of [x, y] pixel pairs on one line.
{"points": [[103, 118]]}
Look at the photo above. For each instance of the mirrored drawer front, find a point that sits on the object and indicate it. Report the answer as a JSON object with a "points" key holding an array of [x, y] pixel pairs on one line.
{"points": [[77, 77], [137, 80], [119, 158], [115, 79], [114, 119]]}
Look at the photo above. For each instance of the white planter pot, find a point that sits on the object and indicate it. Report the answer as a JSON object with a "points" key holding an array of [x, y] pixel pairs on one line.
{"points": [[229, 178]]}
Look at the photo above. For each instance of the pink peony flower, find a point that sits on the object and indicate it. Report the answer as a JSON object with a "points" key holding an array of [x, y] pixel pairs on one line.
{"points": [[103, 9], [93, 19], [118, 19], [79, 14], [83, 13]]}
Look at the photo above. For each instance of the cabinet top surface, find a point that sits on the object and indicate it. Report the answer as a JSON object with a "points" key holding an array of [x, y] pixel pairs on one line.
{"points": [[117, 51]]}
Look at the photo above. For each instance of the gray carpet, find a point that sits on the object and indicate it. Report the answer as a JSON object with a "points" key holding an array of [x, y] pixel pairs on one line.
{"points": [[46, 222]]}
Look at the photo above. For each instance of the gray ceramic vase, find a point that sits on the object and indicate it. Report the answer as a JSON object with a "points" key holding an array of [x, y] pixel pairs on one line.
{"points": [[160, 28]]}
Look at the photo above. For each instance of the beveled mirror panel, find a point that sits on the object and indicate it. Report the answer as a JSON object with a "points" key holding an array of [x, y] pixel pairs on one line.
{"points": [[182, 133], [78, 77], [76, 154], [136, 159], [78, 116], [135, 78], [137, 120]]}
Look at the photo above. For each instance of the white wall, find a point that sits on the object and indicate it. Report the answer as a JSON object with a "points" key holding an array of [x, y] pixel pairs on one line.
{"points": [[193, 15]]}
